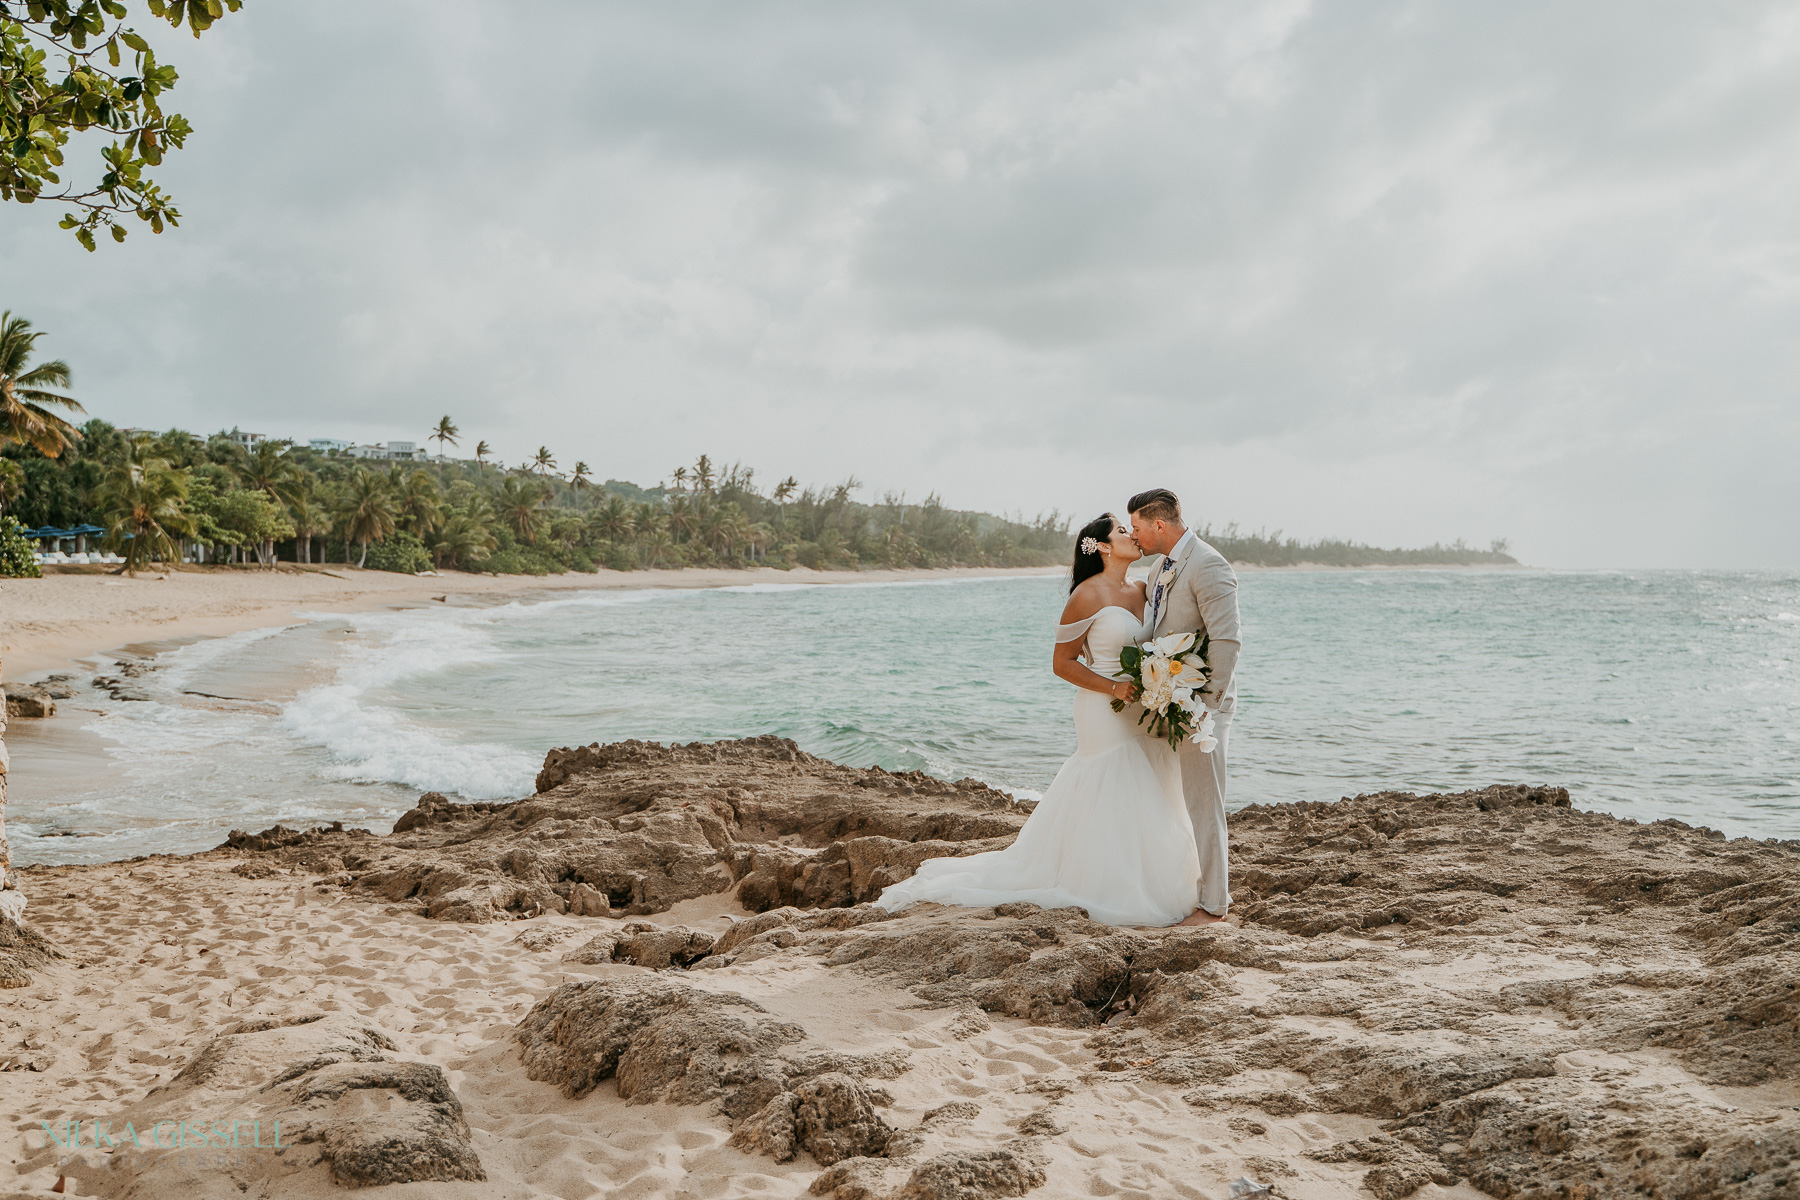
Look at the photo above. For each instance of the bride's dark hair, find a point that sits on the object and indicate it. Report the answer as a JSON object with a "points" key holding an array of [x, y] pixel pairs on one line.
{"points": [[1088, 563]]}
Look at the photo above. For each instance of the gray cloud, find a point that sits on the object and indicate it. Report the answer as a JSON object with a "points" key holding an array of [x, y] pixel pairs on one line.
{"points": [[1399, 272]]}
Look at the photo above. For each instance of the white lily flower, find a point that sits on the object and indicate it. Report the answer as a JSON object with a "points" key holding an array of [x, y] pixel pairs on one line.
{"points": [[1157, 671], [1205, 743], [1187, 673], [1171, 644]]}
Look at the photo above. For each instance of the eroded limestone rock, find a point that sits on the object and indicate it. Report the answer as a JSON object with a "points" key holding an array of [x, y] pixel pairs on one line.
{"points": [[667, 1041]]}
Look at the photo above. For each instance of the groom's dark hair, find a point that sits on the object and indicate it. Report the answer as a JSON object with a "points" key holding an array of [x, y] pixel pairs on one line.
{"points": [[1157, 504]]}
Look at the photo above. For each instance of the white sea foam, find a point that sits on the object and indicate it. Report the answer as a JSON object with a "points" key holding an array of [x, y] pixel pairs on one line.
{"points": [[179, 666], [1786, 617], [371, 742]]}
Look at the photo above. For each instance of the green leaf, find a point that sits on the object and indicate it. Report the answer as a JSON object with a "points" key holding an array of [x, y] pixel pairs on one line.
{"points": [[135, 42], [118, 232], [86, 238], [112, 51]]}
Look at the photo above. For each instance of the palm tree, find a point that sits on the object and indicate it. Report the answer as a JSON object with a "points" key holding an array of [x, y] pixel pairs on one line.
{"points": [[445, 431], [541, 461], [368, 512], [730, 529], [613, 520], [703, 474], [657, 545], [266, 469], [761, 534], [784, 491], [684, 517], [464, 539], [521, 507], [419, 509], [142, 501], [481, 454], [23, 415], [310, 518], [579, 479], [680, 477]]}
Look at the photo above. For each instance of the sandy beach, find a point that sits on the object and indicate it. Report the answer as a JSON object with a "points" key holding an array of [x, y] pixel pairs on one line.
{"points": [[661, 977], [45, 623]]}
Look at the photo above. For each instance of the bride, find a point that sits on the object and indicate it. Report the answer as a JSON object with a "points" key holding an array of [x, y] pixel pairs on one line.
{"points": [[1112, 834]]}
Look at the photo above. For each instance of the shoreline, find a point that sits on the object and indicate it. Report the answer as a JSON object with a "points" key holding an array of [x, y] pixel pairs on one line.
{"points": [[66, 619], [61, 620]]}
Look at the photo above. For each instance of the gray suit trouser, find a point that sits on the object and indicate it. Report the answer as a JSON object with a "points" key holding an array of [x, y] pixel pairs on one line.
{"points": [[1203, 783]]}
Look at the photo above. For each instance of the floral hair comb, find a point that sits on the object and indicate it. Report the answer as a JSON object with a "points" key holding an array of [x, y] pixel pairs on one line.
{"points": [[1089, 546]]}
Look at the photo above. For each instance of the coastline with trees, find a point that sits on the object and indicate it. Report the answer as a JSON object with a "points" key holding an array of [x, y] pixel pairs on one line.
{"points": [[175, 497]]}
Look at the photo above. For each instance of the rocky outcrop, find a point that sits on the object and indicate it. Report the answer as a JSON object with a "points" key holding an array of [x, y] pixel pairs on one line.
{"points": [[29, 701], [974, 1175], [1492, 976], [634, 827], [328, 1086], [22, 948], [830, 1116], [417, 1135], [663, 1040]]}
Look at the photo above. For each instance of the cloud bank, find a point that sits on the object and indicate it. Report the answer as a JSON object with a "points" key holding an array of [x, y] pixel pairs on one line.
{"points": [[1395, 272]]}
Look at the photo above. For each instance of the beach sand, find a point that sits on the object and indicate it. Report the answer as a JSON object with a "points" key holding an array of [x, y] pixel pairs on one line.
{"points": [[169, 952]]}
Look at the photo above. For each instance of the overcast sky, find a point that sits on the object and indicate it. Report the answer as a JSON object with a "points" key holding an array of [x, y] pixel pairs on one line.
{"points": [[1395, 272]]}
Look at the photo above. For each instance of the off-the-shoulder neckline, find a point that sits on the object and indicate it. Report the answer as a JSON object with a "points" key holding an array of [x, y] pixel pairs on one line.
{"points": [[1103, 608]]}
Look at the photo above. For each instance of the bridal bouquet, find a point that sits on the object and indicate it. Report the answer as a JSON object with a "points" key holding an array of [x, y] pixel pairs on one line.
{"points": [[1170, 672]]}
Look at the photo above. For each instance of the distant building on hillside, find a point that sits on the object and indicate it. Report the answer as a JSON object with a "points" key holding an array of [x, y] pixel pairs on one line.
{"points": [[329, 445], [390, 452], [248, 441]]}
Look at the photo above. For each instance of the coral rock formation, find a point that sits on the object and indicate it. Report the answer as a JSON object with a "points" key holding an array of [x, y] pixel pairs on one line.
{"points": [[1506, 990]]}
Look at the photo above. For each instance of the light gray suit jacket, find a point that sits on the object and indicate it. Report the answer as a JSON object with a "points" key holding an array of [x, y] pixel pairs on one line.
{"points": [[1203, 596]]}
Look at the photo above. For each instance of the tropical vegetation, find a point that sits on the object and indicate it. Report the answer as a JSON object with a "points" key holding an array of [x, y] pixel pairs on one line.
{"points": [[16, 558], [175, 496], [74, 66], [25, 402]]}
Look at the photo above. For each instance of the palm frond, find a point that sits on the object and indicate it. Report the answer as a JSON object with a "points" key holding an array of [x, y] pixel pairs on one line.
{"points": [[35, 396], [54, 373]]}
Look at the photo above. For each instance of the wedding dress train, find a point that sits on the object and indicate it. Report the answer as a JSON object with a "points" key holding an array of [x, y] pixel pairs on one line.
{"points": [[1111, 835]]}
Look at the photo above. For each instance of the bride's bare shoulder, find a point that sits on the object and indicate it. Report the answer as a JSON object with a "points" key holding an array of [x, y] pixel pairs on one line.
{"points": [[1086, 600]]}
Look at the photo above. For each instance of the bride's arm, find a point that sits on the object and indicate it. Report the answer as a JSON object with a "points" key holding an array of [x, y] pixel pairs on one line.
{"points": [[1067, 665]]}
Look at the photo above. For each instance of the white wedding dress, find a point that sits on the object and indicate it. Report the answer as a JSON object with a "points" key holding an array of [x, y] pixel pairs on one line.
{"points": [[1111, 835]]}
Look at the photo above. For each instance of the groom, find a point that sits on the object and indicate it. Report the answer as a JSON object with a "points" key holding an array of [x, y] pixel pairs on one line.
{"points": [[1192, 587]]}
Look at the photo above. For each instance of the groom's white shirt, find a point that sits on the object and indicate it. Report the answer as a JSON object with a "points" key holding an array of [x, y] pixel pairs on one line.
{"points": [[1159, 587]]}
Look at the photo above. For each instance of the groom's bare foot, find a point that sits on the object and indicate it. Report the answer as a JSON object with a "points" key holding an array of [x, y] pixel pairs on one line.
{"points": [[1200, 917]]}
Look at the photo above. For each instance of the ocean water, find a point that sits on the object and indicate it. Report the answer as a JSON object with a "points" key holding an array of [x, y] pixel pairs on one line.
{"points": [[1647, 694]]}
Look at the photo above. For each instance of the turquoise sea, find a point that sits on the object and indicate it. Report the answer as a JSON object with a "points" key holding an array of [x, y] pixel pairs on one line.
{"points": [[1646, 693]]}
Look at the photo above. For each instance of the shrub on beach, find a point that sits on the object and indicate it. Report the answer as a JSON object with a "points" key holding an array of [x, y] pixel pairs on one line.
{"points": [[399, 551], [16, 558]]}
